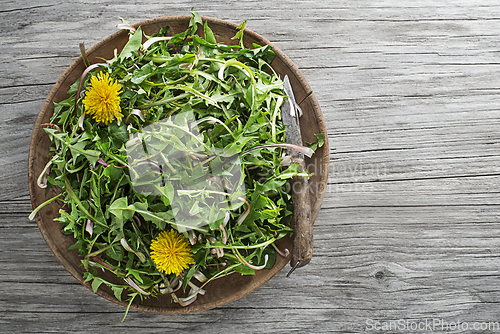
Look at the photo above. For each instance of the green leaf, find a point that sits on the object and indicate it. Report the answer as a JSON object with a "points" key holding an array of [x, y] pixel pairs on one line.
{"points": [[291, 171], [237, 146], [118, 134], [138, 206], [132, 46], [113, 173], [273, 185], [167, 193], [241, 28], [195, 209], [117, 290], [96, 283], [318, 143], [321, 139], [137, 274], [81, 206], [209, 35], [121, 209], [271, 257], [244, 270], [79, 148], [115, 252], [195, 19], [188, 276], [143, 73]]}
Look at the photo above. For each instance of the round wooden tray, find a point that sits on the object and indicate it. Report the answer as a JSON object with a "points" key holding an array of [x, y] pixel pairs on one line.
{"points": [[223, 290]]}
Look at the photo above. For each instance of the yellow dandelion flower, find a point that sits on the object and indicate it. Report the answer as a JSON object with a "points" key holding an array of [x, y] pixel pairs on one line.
{"points": [[102, 99], [171, 252]]}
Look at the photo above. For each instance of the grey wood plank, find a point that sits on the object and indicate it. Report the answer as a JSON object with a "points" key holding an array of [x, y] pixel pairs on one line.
{"points": [[356, 280], [409, 226]]}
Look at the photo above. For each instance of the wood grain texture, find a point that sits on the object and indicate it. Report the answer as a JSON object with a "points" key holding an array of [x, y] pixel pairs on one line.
{"points": [[409, 228]]}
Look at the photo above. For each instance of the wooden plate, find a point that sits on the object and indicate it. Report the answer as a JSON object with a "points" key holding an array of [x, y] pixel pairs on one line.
{"points": [[223, 290]]}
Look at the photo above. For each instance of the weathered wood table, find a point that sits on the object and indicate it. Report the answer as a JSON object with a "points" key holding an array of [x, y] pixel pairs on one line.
{"points": [[408, 236]]}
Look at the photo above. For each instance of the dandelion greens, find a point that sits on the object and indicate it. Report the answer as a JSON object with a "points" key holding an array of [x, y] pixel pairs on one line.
{"points": [[169, 160]]}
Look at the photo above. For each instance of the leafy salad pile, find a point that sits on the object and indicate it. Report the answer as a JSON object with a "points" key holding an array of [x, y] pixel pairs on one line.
{"points": [[198, 147]]}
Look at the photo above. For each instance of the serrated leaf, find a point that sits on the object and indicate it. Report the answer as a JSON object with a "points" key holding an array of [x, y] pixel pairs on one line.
{"points": [[209, 35], [143, 73], [118, 134], [321, 138], [136, 274], [237, 146], [121, 209], [133, 45], [115, 252], [96, 283], [244, 270], [318, 143], [113, 173], [117, 290], [241, 28], [118, 206], [139, 206], [273, 184], [79, 149], [195, 19]]}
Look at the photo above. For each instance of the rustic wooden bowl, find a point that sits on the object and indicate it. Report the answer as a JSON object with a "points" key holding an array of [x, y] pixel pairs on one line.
{"points": [[223, 290]]}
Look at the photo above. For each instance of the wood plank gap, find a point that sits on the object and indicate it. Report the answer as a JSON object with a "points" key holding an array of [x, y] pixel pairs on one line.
{"points": [[29, 85], [26, 8]]}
